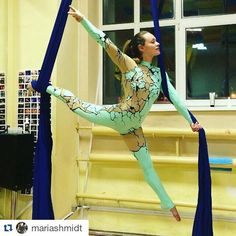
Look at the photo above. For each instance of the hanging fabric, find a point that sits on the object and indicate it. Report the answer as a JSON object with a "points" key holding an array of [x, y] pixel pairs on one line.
{"points": [[42, 202], [203, 217]]}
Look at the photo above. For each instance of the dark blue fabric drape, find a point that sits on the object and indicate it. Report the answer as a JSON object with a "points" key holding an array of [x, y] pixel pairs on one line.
{"points": [[203, 218], [42, 202]]}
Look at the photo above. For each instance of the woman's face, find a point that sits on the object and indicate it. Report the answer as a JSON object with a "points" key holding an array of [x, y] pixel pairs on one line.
{"points": [[151, 46]]}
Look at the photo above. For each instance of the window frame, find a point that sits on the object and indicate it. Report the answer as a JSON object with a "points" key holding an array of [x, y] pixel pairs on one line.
{"points": [[180, 23]]}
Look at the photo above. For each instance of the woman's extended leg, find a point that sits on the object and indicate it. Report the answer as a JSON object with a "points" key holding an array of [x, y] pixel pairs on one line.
{"points": [[137, 145], [94, 113]]}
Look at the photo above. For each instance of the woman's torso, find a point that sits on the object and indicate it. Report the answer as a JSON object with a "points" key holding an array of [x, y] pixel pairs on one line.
{"points": [[141, 87]]}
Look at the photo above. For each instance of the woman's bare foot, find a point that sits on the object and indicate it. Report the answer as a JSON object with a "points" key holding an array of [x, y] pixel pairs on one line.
{"points": [[175, 214]]}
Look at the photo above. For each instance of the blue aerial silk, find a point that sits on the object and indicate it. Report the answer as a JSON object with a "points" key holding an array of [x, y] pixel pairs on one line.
{"points": [[42, 202], [203, 217]]}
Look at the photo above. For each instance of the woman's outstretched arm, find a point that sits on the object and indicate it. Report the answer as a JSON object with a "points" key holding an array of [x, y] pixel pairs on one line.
{"points": [[180, 106], [124, 62]]}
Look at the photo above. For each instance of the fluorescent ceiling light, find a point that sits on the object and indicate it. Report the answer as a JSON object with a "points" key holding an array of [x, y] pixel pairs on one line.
{"points": [[199, 46], [194, 29]]}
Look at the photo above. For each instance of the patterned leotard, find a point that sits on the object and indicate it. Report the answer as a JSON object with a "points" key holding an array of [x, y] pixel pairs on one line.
{"points": [[141, 86]]}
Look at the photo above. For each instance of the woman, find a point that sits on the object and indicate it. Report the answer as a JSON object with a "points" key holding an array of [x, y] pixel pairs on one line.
{"points": [[141, 86]]}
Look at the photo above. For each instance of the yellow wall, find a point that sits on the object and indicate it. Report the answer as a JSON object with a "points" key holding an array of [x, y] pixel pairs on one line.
{"points": [[78, 68], [124, 180], [3, 38], [65, 123], [29, 24]]}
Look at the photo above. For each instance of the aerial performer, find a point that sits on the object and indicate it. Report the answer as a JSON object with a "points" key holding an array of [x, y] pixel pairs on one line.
{"points": [[141, 85]]}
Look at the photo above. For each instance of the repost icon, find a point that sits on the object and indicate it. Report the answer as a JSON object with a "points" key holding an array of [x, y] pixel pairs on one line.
{"points": [[8, 228]]}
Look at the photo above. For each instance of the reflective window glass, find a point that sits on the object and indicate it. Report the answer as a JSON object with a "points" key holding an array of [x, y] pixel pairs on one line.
{"points": [[168, 48], [116, 12], [111, 80], [211, 61], [111, 83], [165, 8], [206, 7]]}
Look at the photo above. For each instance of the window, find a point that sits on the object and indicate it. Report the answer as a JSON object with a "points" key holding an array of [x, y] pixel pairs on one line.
{"points": [[211, 62], [119, 11], [198, 40], [121, 27], [212, 7], [165, 10], [111, 83], [168, 38]]}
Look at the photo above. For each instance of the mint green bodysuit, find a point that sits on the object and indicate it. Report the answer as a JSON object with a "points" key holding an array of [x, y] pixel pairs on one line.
{"points": [[141, 86]]}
